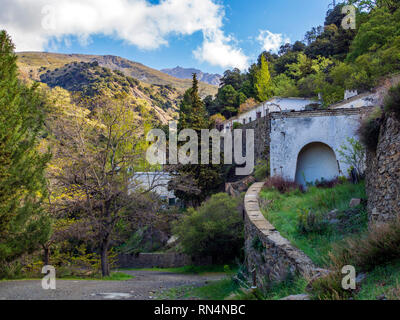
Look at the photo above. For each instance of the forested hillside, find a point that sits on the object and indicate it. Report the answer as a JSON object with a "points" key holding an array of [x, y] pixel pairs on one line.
{"points": [[328, 61], [32, 64]]}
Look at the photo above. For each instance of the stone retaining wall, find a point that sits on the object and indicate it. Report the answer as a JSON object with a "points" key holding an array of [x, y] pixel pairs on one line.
{"points": [[160, 260], [383, 174], [266, 251]]}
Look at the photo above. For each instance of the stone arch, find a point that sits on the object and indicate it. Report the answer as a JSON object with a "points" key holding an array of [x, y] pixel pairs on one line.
{"points": [[316, 161]]}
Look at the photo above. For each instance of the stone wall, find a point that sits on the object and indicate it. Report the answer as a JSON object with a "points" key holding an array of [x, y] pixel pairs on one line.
{"points": [[160, 260], [266, 251], [383, 174], [261, 129]]}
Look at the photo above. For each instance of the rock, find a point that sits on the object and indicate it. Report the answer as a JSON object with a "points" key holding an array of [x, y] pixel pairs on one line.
{"points": [[381, 297], [360, 278], [332, 215], [172, 240], [297, 297], [355, 202], [334, 221]]}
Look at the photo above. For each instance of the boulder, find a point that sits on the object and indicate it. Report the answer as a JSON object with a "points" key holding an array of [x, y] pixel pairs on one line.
{"points": [[355, 202]]}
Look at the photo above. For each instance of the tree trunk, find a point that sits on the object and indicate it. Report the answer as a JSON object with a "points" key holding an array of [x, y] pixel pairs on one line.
{"points": [[105, 268]]}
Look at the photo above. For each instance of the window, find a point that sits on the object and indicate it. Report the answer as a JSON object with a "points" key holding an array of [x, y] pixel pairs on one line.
{"points": [[172, 201], [258, 115], [244, 121]]}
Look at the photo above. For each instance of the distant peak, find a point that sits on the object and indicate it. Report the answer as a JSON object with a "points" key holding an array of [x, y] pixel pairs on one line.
{"points": [[187, 73]]}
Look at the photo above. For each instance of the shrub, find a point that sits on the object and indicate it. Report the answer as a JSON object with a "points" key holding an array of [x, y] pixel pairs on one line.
{"points": [[310, 222], [328, 184], [369, 133], [261, 170], [392, 101], [353, 154], [214, 229], [378, 247], [281, 184]]}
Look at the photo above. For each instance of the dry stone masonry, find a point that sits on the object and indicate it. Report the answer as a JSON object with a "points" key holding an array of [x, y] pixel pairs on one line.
{"points": [[269, 254], [383, 174]]}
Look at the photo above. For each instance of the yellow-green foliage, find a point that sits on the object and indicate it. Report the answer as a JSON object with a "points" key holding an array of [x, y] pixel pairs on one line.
{"points": [[263, 81], [50, 61]]}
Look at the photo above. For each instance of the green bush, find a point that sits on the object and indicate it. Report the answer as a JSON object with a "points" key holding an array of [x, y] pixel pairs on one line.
{"points": [[310, 222], [261, 170], [369, 133], [392, 101], [215, 229]]}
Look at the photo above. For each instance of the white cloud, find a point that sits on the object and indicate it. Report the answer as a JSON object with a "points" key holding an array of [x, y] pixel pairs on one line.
{"points": [[217, 49], [34, 24], [271, 41]]}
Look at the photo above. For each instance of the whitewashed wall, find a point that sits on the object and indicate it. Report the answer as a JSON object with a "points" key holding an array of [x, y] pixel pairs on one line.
{"points": [[291, 133], [157, 180], [273, 105], [362, 100]]}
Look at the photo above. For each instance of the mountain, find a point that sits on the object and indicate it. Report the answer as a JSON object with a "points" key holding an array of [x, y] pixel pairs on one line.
{"points": [[187, 73], [32, 64]]}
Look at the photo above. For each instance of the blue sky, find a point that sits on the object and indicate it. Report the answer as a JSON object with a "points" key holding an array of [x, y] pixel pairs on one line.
{"points": [[212, 35]]}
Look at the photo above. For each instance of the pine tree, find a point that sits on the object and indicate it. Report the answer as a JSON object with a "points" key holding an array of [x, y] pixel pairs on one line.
{"points": [[263, 81], [22, 183], [194, 183], [193, 114]]}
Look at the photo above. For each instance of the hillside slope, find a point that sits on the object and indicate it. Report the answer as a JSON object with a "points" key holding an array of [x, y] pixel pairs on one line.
{"points": [[32, 64], [90, 79]]}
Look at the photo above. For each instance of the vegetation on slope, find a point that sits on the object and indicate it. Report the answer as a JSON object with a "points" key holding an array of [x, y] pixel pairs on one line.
{"points": [[92, 80], [328, 61], [33, 64], [302, 217]]}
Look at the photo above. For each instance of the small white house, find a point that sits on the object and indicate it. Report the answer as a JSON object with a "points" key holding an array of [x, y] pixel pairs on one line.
{"points": [[275, 104], [158, 183], [352, 101]]}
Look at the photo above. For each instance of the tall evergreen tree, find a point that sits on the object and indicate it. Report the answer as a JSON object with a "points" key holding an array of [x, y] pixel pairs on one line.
{"points": [[22, 183], [192, 112], [193, 183], [263, 81]]}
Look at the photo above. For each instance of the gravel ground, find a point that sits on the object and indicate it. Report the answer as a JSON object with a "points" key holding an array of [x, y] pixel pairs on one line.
{"points": [[144, 286]]}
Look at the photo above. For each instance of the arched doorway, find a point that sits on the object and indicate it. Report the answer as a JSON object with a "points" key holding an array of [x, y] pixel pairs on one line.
{"points": [[316, 161]]}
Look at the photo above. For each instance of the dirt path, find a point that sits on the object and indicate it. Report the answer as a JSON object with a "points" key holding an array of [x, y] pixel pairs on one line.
{"points": [[144, 286]]}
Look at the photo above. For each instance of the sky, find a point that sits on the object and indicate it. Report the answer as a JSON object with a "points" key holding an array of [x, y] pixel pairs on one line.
{"points": [[211, 35]]}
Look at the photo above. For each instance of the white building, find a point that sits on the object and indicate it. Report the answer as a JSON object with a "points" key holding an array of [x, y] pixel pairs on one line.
{"points": [[351, 101], [156, 182], [275, 104]]}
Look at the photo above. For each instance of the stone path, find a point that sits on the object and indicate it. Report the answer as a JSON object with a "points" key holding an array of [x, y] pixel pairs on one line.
{"points": [[144, 286]]}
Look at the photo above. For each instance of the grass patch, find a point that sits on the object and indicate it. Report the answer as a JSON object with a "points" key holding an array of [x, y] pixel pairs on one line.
{"points": [[199, 270], [374, 252], [292, 286], [215, 290], [283, 211], [382, 282], [114, 276]]}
